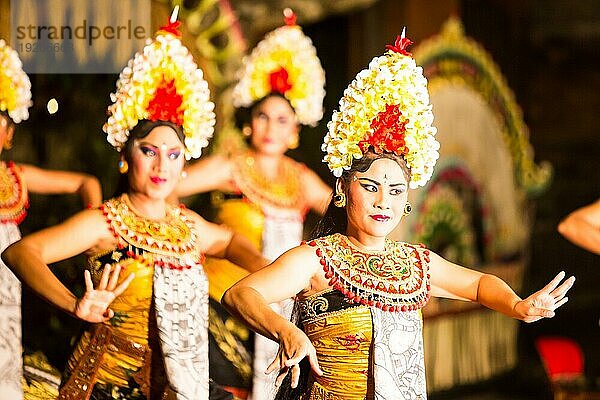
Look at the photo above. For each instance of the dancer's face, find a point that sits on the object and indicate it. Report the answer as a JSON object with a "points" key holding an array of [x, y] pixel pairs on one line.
{"points": [[156, 163], [376, 198], [6, 131], [274, 126]]}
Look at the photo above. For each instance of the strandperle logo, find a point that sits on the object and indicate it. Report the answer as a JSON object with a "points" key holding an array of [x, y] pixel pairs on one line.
{"points": [[75, 36], [85, 31]]}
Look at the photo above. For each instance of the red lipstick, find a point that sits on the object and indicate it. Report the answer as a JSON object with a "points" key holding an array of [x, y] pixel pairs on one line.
{"points": [[380, 218]]}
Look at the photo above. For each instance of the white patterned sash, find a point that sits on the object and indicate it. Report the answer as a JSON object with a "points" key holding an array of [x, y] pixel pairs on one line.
{"points": [[181, 303], [399, 367]]}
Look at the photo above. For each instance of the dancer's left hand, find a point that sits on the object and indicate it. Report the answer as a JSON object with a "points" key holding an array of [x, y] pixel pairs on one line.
{"points": [[544, 302]]}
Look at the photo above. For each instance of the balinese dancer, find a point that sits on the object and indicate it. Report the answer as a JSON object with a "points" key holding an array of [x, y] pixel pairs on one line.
{"points": [[146, 291], [358, 293], [262, 193], [16, 180]]}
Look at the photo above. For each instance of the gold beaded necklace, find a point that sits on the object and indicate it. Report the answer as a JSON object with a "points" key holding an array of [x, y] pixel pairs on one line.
{"points": [[283, 191]]}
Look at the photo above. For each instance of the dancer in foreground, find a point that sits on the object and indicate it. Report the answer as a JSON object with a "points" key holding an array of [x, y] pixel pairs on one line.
{"points": [[358, 293]]}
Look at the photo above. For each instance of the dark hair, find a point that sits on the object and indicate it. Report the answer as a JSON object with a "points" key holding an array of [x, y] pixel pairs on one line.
{"points": [[141, 130], [335, 220]]}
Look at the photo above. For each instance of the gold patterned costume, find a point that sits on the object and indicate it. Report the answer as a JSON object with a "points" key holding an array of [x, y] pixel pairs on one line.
{"points": [[122, 359], [270, 213], [367, 329]]}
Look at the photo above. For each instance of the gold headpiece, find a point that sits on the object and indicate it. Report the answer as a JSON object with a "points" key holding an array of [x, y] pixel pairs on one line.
{"points": [[284, 62], [386, 108], [162, 83], [15, 88]]}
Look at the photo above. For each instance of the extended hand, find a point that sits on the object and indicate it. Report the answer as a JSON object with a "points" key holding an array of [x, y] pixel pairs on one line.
{"points": [[542, 303], [294, 345], [93, 306]]}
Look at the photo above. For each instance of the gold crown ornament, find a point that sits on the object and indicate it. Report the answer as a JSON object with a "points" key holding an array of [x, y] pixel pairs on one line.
{"points": [[284, 62], [162, 83], [15, 87], [386, 108]]}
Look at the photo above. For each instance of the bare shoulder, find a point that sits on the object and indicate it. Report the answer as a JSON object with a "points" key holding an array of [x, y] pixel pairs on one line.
{"points": [[193, 217], [305, 257], [95, 220]]}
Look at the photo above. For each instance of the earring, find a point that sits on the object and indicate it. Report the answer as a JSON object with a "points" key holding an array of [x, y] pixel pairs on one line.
{"points": [[294, 143], [339, 200], [246, 131], [123, 166], [183, 174], [407, 208]]}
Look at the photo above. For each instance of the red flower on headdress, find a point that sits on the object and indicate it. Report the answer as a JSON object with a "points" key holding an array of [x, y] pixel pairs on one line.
{"points": [[171, 27], [289, 17], [279, 81], [400, 46], [389, 129], [166, 104]]}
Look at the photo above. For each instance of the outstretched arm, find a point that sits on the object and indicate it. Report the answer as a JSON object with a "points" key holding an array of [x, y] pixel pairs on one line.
{"points": [[47, 181], [453, 281], [582, 227], [208, 174], [29, 257]]}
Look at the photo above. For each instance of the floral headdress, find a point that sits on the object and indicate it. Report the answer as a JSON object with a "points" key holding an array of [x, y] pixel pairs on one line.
{"points": [[162, 83], [385, 108], [15, 88], [284, 62]]}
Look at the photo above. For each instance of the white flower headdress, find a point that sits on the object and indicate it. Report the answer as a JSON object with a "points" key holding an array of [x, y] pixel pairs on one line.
{"points": [[386, 108], [284, 62], [162, 83], [15, 87]]}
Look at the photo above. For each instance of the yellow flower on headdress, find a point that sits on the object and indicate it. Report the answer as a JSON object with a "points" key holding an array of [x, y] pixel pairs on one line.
{"points": [[15, 87], [162, 83], [385, 108], [284, 62]]}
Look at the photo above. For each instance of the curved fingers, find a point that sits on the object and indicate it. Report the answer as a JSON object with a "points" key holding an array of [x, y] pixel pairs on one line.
{"points": [[89, 285], [104, 279], [114, 278], [553, 283], [121, 288], [561, 302], [560, 292]]}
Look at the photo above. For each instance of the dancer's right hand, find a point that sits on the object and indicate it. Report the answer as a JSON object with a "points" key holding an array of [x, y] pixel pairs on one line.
{"points": [[93, 306], [294, 345]]}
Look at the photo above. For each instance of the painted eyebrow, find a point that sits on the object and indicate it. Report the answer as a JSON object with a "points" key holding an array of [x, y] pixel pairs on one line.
{"points": [[148, 144], [379, 184]]}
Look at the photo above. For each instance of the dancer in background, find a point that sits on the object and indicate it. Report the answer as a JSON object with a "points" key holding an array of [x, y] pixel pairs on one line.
{"points": [[146, 293], [264, 194], [582, 227], [358, 293], [16, 181]]}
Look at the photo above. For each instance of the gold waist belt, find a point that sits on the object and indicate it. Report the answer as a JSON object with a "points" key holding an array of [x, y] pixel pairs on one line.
{"points": [[81, 381]]}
